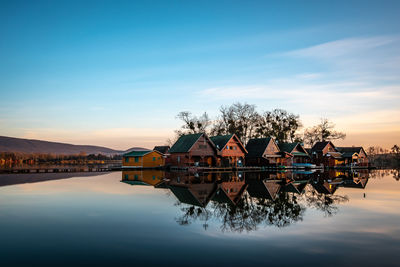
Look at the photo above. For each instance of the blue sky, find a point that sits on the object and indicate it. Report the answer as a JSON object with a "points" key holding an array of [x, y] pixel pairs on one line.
{"points": [[116, 73]]}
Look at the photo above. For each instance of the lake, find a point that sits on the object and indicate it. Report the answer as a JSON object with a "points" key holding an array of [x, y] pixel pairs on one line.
{"points": [[156, 218]]}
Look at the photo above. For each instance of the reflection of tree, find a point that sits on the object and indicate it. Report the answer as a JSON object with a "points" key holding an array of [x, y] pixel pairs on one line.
{"points": [[396, 174], [192, 213], [282, 211], [248, 213], [379, 174], [239, 218], [323, 202], [259, 207]]}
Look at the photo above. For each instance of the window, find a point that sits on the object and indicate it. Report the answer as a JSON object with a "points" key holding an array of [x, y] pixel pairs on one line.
{"points": [[126, 176], [202, 146], [234, 148], [136, 176], [126, 159], [154, 177], [136, 159], [154, 158], [179, 159]]}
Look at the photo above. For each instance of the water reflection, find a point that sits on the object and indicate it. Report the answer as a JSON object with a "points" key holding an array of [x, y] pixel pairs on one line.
{"points": [[244, 201]]}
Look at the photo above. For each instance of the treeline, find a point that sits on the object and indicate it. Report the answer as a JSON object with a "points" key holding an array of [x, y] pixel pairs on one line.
{"points": [[15, 158], [246, 122], [384, 158]]}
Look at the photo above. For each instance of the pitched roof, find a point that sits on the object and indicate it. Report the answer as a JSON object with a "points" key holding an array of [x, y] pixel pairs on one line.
{"points": [[184, 143], [134, 182], [319, 146], [221, 140], [324, 187], [352, 149], [256, 147], [296, 187], [192, 195], [137, 153], [184, 195], [287, 147], [222, 196], [263, 188], [161, 149]]}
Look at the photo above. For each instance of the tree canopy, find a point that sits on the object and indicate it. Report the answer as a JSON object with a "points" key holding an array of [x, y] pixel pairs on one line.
{"points": [[246, 122]]}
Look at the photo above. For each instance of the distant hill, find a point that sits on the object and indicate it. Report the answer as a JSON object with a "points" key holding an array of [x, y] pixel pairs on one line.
{"points": [[11, 144]]}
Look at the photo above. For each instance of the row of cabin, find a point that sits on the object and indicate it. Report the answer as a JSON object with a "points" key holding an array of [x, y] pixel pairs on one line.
{"points": [[199, 150]]}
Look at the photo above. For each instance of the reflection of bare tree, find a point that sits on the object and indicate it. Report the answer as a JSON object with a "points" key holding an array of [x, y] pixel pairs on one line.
{"points": [[239, 218], [248, 213], [323, 202], [396, 174], [244, 206], [281, 211], [192, 213]]}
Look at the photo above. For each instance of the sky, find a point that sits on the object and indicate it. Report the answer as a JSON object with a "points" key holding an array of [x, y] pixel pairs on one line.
{"points": [[116, 73]]}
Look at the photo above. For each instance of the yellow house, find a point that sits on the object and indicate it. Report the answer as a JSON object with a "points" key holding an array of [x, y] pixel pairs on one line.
{"points": [[143, 159]]}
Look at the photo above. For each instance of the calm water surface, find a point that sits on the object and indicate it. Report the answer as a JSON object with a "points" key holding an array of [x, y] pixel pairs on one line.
{"points": [[157, 218]]}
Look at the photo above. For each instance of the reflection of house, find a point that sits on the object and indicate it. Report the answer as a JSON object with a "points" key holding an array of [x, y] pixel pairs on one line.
{"points": [[263, 152], [296, 186], [197, 194], [325, 187], [230, 150], [193, 150], [230, 192], [357, 179], [143, 159], [354, 156], [147, 177], [356, 182], [267, 189], [299, 154], [325, 153]]}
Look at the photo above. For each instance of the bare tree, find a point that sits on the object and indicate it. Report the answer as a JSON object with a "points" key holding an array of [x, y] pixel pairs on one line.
{"points": [[193, 124], [239, 119], [279, 124], [324, 131]]}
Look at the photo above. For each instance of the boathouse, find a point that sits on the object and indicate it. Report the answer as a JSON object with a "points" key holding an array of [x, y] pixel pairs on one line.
{"points": [[354, 156], [143, 159], [325, 153], [298, 155], [230, 151], [263, 152], [193, 150]]}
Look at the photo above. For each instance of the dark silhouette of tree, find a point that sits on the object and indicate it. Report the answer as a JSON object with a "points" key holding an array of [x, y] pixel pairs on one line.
{"points": [[247, 214], [279, 124], [239, 119], [324, 131], [323, 202], [193, 124]]}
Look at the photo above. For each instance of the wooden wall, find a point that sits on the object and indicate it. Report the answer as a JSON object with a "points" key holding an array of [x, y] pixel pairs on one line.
{"points": [[153, 159]]}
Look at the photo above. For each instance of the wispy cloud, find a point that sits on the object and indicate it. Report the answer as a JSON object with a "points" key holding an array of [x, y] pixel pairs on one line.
{"points": [[344, 47]]}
